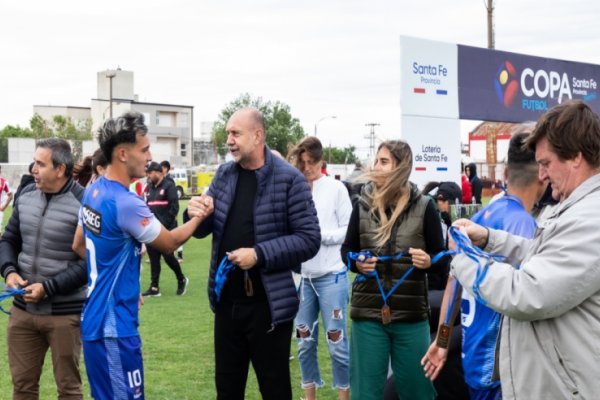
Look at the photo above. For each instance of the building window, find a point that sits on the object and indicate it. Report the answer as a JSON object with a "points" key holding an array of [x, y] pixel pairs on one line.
{"points": [[166, 119], [184, 120]]}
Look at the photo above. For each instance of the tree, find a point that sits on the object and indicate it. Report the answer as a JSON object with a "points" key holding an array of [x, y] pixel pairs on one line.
{"points": [[334, 155], [282, 130], [65, 128], [39, 127], [60, 126]]}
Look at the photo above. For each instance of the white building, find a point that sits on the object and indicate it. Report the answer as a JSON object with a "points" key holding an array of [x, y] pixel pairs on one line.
{"points": [[170, 126]]}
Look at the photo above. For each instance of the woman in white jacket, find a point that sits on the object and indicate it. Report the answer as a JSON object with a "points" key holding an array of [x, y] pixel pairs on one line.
{"points": [[324, 285]]}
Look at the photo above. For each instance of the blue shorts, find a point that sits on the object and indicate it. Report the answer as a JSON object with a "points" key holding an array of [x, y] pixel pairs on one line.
{"points": [[114, 368], [486, 394]]}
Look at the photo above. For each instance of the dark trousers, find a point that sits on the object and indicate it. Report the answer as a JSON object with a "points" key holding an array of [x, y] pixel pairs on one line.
{"points": [[243, 333], [171, 261]]}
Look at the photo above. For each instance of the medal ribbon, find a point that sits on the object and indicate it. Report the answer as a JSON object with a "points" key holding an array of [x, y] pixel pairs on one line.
{"points": [[6, 292], [463, 246], [225, 267], [374, 274]]}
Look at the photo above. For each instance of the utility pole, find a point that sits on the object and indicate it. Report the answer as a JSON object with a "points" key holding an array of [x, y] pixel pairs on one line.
{"points": [[490, 24], [110, 75], [371, 138]]}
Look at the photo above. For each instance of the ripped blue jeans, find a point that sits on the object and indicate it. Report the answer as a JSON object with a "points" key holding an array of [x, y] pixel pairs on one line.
{"points": [[331, 299]]}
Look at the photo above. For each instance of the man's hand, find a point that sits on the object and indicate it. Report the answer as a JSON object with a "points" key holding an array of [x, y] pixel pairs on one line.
{"points": [[35, 293], [420, 259], [244, 257], [477, 233], [366, 265], [200, 206], [14, 281], [434, 361]]}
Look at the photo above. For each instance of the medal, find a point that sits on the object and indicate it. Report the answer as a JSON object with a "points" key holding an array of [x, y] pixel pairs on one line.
{"points": [[386, 317], [443, 336]]}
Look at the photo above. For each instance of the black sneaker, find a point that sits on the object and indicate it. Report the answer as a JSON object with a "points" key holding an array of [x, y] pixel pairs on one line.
{"points": [[182, 286], [152, 292]]}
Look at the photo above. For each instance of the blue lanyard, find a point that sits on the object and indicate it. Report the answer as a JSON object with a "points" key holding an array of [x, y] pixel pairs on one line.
{"points": [[374, 274], [6, 292], [225, 267], [463, 246], [466, 247]]}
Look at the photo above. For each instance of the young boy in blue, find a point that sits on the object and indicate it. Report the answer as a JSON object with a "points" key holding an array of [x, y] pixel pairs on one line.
{"points": [[113, 224], [481, 324]]}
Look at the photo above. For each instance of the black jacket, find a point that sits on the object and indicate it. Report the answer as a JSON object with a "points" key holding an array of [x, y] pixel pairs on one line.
{"points": [[476, 183], [286, 229], [163, 202]]}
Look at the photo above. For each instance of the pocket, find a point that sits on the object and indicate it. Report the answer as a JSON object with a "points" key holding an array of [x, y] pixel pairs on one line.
{"points": [[562, 370]]}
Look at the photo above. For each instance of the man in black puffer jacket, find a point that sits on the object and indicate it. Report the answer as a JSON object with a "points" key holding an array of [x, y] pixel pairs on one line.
{"points": [[266, 224], [36, 254]]}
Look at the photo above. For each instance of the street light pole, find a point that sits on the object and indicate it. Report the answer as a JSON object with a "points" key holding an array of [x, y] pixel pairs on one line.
{"points": [[317, 123], [110, 75]]}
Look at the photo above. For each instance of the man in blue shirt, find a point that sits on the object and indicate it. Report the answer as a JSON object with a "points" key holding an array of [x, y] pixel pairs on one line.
{"points": [[481, 324], [113, 224]]}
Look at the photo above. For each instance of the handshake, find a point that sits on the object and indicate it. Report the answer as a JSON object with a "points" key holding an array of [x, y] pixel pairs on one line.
{"points": [[200, 206]]}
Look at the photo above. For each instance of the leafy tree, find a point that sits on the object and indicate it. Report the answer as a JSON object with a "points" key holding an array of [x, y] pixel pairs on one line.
{"points": [[65, 128], [282, 130], [39, 127], [60, 126], [334, 155]]}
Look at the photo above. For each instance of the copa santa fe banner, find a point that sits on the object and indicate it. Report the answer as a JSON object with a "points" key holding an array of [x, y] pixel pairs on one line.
{"points": [[443, 82]]}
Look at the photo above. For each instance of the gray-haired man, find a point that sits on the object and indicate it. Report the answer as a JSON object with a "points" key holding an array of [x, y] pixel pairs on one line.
{"points": [[36, 254]]}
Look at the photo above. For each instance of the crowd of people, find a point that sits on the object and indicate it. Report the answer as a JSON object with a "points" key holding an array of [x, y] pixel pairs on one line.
{"points": [[523, 271]]}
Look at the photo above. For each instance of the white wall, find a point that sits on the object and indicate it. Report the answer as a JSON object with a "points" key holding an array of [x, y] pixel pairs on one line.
{"points": [[20, 150]]}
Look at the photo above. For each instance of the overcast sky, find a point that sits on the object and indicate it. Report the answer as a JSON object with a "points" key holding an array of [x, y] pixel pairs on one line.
{"points": [[322, 58]]}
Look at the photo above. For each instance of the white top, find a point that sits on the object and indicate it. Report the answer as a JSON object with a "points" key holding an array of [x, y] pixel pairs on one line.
{"points": [[333, 209]]}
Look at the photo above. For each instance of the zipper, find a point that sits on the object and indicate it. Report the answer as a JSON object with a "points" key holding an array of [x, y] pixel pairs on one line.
{"points": [[36, 253]]}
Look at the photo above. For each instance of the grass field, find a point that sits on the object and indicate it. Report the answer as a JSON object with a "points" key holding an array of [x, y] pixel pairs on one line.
{"points": [[177, 335]]}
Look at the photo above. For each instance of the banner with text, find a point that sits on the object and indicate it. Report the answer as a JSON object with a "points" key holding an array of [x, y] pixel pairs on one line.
{"points": [[429, 78], [435, 144], [501, 86]]}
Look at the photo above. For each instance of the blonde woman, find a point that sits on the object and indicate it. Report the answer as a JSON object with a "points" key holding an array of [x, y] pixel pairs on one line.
{"points": [[390, 316]]}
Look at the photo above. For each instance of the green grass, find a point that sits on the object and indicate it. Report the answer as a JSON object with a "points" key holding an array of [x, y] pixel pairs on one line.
{"points": [[177, 336]]}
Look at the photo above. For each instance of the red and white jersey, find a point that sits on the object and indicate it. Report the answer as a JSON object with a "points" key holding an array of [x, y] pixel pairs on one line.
{"points": [[3, 189]]}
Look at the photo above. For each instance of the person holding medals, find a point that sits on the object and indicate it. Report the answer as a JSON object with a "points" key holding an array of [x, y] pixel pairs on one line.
{"points": [[392, 233], [549, 335], [481, 324]]}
